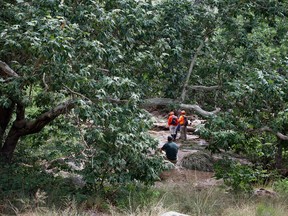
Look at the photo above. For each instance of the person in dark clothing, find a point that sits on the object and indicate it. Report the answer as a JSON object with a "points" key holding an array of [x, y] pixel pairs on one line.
{"points": [[171, 149]]}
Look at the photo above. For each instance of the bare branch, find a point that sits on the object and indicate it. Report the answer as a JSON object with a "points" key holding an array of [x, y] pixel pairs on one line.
{"points": [[282, 136], [103, 69], [191, 69], [278, 134], [44, 82], [204, 88], [199, 110], [6, 71], [77, 93], [168, 101]]}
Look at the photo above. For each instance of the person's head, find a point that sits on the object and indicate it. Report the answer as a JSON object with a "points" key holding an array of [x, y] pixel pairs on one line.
{"points": [[169, 138], [183, 112], [171, 113]]}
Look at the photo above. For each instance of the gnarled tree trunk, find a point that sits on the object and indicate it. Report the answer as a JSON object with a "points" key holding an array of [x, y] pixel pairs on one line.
{"points": [[279, 154], [5, 117], [10, 143], [22, 127]]}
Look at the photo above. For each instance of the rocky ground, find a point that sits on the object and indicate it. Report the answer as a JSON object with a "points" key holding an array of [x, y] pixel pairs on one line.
{"points": [[194, 145], [195, 164]]}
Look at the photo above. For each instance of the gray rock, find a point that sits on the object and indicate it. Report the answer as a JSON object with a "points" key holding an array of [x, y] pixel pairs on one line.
{"points": [[201, 161], [173, 213], [261, 192]]}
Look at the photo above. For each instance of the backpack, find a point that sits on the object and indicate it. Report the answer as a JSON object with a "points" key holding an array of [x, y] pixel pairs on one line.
{"points": [[185, 121], [174, 120]]}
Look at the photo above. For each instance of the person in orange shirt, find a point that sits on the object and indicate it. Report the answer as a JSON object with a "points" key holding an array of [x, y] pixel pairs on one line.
{"points": [[172, 124], [183, 121]]}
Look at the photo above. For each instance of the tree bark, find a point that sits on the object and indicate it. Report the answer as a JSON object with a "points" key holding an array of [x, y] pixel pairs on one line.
{"points": [[5, 118], [184, 90], [279, 135], [22, 127], [204, 88], [6, 71], [279, 155], [10, 144], [167, 101], [282, 141]]}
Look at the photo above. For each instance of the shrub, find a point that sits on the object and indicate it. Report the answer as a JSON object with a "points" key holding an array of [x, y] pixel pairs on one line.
{"points": [[239, 177], [281, 186]]}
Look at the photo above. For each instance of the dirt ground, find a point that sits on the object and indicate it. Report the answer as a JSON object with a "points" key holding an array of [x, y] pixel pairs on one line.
{"points": [[179, 176]]}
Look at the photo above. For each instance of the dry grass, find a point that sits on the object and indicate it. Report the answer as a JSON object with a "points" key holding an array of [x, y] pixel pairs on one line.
{"points": [[190, 201], [180, 196], [257, 209], [216, 201], [153, 209]]}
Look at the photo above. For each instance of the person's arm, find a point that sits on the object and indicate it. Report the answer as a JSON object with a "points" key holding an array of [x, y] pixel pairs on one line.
{"points": [[160, 149], [164, 147]]}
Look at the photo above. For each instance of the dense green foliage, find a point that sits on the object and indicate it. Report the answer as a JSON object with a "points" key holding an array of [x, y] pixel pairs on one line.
{"points": [[84, 67], [72, 52]]}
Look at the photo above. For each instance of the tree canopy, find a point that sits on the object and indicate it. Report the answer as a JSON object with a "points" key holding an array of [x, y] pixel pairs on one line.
{"points": [[75, 74]]}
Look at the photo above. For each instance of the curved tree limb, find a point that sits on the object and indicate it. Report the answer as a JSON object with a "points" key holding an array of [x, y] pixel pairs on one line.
{"points": [[168, 101], [199, 110], [22, 127], [6, 71], [278, 134], [77, 93], [38, 124], [44, 82]]}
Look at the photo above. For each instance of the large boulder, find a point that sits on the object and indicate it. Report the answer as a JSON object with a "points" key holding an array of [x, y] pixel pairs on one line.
{"points": [[199, 160]]}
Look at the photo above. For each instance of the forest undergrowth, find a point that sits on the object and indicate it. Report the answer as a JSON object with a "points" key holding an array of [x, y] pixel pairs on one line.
{"points": [[189, 192]]}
